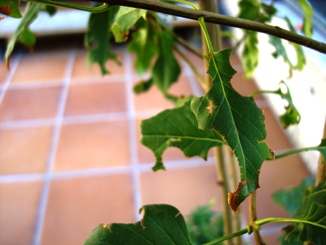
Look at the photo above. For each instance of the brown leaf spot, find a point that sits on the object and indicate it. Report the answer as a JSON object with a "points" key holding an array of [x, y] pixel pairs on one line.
{"points": [[233, 197], [5, 10]]}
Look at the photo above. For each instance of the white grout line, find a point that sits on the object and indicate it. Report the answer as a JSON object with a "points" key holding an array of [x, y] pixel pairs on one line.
{"points": [[132, 136], [54, 144], [8, 78]]}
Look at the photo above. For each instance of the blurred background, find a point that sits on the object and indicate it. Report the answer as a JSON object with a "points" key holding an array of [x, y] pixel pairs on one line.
{"points": [[70, 156]]}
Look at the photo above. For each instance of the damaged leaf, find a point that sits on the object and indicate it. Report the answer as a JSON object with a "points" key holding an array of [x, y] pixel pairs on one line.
{"points": [[125, 19], [312, 211], [97, 39], [238, 120], [177, 128], [161, 225]]}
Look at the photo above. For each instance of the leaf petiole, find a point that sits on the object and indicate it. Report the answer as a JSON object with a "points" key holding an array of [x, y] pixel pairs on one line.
{"points": [[97, 9]]}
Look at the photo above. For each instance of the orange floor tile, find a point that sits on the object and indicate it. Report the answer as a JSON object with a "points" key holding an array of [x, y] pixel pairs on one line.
{"points": [[70, 153]]}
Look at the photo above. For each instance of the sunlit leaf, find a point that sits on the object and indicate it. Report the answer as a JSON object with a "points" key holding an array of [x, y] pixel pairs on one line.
{"points": [[291, 115], [161, 225], [97, 39], [291, 198], [256, 11], [144, 44], [250, 53], [301, 59], [29, 15], [125, 19], [10, 8], [27, 37], [312, 210], [177, 128], [308, 14], [238, 120]]}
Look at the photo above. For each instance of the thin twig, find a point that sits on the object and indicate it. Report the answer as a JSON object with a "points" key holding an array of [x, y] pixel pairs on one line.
{"points": [[253, 217], [321, 170], [220, 19]]}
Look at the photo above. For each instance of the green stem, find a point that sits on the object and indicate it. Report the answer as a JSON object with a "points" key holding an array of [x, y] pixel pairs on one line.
{"points": [[287, 220], [97, 9], [261, 222], [287, 153], [221, 239]]}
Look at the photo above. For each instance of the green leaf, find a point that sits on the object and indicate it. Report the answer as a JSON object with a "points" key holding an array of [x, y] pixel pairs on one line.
{"points": [[291, 115], [301, 59], [322, 148], [27, 37], [29, 16], [291, 198], [312, 211], [161, 225], [143, 86], [144, 45], [238, 120], [166, 69], [282, 240], [10, 8], [97, 40], [308, 14], [256, 11], [280, 49], [205, 225], [250, 53], [177, 128], [125, 19]]}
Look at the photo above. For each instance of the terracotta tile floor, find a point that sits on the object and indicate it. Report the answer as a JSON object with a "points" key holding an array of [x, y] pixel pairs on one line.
{"points": [[70, 153]]}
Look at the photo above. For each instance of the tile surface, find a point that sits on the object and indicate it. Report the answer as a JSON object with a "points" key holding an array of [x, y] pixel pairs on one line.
{"points": [[19, 204], [75, 208], [24, 150]]}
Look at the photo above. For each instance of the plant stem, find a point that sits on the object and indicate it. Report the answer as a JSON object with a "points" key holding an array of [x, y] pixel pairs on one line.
{"points": [[286, 220], [236, 220], [321, 170], [215, 18], [227, 237], [294, 151], [222, 181], [253, 218]]}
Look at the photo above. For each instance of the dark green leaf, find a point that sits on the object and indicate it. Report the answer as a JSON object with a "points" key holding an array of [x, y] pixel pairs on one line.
{"points": [[144, 45], [313, 210], [143, 86], [322, 148], [10, 8], [51, 10], [238, 120], [29, 15], [125, 19], [282, 240], [177, 128], [97, 40], [291, 115], [308, 14], [166, 69], [161, 225], [291, 198]]}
